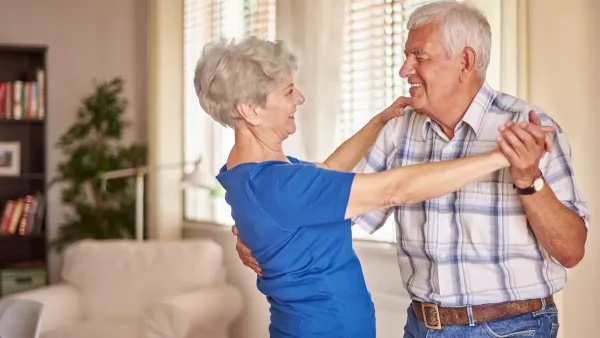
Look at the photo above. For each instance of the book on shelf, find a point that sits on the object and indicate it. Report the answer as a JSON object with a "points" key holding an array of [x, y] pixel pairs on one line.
{"points": [[23, 216], [23, 100]]}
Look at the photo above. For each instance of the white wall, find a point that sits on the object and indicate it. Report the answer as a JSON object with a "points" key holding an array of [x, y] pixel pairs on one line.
{"points": [[564, 79], [165, 121], [88, 40]]}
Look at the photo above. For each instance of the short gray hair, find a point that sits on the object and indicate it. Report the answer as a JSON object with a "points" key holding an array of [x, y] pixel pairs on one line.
{"points": [[461, 25], [230, 73]]}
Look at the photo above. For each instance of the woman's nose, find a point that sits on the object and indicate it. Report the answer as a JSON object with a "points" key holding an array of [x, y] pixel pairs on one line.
{"points": [[299, 98]]}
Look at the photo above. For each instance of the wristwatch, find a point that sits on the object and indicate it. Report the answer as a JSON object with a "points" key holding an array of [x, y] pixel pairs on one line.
{"points": [[536, 186]]}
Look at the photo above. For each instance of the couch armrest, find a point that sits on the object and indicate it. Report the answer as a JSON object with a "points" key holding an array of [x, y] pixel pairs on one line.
{"points": [[62, 305], [202, 313]]}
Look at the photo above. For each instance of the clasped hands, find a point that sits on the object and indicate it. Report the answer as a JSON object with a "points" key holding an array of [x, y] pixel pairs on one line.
{"points": [[524, 144]]}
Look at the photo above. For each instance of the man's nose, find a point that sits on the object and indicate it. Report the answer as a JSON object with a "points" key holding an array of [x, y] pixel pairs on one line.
{"points": [[407, 69]]}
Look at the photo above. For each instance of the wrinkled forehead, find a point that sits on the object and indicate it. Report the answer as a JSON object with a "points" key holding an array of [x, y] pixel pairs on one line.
{"points": [[423, 40], [284, 82]]}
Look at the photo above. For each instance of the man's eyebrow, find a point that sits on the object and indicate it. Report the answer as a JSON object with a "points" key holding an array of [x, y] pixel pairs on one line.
{"points": [[416, 52]]}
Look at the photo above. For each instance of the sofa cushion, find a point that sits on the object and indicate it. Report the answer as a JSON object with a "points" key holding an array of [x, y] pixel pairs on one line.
{"points": [[119, 279]]}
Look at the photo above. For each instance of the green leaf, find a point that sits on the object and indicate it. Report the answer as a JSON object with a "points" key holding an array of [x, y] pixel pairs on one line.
{"points": [[93, 145]]}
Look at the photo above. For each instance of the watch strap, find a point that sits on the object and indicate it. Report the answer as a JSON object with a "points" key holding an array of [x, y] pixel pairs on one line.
{"points": [[530, 190], [524, 191]]}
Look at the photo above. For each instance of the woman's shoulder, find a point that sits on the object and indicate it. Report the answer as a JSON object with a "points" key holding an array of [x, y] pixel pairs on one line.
{"points": [[262, 170], [294, 160], [270, 169]]}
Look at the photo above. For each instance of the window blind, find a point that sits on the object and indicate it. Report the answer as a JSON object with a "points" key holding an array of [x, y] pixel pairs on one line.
{"points": [[259, 18], [374, 39]]}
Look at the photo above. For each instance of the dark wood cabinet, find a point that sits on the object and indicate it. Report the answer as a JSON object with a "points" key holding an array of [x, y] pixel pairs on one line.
{"points": [[23, 146]]}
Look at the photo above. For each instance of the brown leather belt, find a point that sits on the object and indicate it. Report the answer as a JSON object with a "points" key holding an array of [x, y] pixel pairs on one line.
{"points": [[437, 316]]}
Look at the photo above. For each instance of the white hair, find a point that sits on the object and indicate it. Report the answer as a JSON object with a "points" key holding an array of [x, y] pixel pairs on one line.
{"points": [[229, 73], [461, 25]]}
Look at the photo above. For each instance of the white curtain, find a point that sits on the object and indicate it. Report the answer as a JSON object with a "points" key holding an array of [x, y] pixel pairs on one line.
{"points": [[314, 30]]}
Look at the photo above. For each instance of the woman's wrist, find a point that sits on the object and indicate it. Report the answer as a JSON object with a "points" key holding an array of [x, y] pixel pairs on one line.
{"points": [[378, 120], [499, 159]]}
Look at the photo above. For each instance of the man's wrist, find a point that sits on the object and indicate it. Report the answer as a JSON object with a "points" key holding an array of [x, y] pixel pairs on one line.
{"points": [[526, 182], [523, 184]]}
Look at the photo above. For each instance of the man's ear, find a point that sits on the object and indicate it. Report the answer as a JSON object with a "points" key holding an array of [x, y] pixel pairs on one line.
{"points": [[248, 114], [468, 58]]}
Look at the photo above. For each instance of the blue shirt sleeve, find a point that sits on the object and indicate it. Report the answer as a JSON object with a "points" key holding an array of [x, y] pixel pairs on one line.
{"points": [[300, 194]]}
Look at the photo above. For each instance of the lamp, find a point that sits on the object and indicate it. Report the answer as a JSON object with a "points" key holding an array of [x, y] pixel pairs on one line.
{"points": [[194, 179]]}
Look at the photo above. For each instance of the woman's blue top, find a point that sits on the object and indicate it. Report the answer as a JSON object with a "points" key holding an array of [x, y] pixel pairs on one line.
{"points": [[292, 217]]}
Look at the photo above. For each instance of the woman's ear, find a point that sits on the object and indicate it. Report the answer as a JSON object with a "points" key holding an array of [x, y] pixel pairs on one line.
{"points": [[248, 114]]}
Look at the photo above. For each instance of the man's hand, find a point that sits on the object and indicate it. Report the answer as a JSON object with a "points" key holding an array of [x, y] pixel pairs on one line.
{"points": [[395, 109], [524, 144], [245, 254]]}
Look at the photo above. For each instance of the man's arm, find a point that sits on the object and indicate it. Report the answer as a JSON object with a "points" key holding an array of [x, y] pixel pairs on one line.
{"points": [[560, 229], [347, 155]]}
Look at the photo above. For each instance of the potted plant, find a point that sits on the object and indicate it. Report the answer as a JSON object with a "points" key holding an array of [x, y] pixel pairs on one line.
{"points": [[93, 145]]}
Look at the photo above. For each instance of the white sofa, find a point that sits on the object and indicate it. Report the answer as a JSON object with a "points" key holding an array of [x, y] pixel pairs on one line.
{"points": [[152, 289]]}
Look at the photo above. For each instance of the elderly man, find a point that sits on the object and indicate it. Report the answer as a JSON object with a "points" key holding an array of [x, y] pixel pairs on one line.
{"points": [[484, 261]]}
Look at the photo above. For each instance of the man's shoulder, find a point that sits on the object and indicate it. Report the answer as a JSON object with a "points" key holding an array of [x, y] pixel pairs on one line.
{"points": [[401, 126], [517, 109]]}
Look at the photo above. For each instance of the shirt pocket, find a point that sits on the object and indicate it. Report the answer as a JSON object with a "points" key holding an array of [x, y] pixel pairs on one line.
{"points": [[492, 213], [490, 197]]}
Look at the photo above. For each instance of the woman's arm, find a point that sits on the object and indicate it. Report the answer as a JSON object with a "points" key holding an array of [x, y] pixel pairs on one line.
{"points": [[347, 155], [419, 182]]}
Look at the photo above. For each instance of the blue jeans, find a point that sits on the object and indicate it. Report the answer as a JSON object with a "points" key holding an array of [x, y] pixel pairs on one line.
{"points": [[538, 324]]}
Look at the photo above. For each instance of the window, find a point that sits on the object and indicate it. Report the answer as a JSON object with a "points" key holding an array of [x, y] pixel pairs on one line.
{"points": [[374, 52], [205, 21]]}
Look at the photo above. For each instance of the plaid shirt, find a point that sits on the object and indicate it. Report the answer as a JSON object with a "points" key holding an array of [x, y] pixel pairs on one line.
{"points": [[472, 246]]}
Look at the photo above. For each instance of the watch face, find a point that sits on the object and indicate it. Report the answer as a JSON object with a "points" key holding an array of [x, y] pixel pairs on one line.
{"points": [[538, 184]]}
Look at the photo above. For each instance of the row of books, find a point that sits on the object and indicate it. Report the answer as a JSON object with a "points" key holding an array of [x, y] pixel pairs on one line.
{"points": [[23, 216], [23, 99]]}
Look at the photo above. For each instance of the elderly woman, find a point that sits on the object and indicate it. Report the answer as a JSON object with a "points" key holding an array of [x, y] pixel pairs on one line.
{"points": [[295, 215]]}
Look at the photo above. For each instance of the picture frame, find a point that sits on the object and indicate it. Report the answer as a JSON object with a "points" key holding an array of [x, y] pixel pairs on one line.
{"points": [[10, 158]]}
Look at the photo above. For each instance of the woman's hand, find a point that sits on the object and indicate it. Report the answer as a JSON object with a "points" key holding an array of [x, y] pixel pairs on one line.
{"points": [[395, 109]]}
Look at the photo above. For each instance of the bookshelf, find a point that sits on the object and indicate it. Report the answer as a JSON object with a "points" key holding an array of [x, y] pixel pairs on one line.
{"points": [[23, 173]]}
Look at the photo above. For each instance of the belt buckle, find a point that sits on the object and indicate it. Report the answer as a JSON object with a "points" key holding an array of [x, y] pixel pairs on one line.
{"points": [[428, 308]]}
